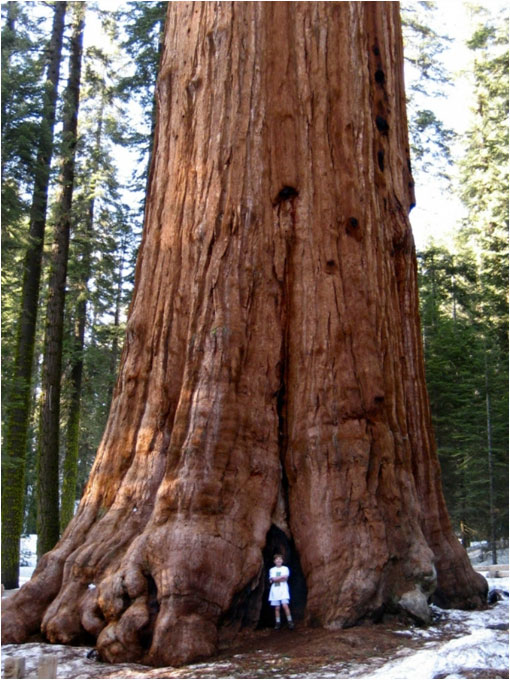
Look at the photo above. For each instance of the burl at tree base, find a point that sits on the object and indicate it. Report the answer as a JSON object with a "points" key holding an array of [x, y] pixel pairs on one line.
{"points": [[271, 394]]}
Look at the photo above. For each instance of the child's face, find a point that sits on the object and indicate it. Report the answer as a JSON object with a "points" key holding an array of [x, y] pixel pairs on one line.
{"points": [[278, 561]]}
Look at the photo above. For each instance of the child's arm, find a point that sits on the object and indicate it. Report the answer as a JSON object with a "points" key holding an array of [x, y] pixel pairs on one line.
{"points": [[279, 579]]}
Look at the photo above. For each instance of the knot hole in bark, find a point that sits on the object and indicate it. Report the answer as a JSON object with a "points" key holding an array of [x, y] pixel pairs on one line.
{"points": [[286, 193], [379, 76], [354, 229], [382, 125], [331, 266]]}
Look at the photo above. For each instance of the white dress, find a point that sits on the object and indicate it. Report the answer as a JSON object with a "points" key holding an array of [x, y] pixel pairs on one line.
{"points": [[279, 591]]}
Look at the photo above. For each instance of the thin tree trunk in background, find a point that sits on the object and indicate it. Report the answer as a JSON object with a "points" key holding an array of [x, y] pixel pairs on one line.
{"points": [[490, 461], [116, 324], [70, 465], [48, 528], [271, 393], [18, 405], [8, 40]]}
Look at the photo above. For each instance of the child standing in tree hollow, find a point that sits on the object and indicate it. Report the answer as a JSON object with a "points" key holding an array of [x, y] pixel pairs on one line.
{"points": [[279, 594]]}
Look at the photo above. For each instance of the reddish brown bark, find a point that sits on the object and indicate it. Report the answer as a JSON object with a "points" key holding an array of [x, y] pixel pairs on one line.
{"points": [[271, 389]]}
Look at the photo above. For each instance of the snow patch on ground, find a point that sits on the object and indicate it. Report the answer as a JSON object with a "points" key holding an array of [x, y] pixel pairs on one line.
{"points": [[72, 661], [477, 647]]}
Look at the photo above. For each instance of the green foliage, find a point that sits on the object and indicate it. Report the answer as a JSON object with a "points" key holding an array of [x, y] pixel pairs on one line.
{"points": [[484, 169], [427, 80], [143, 24], [464, 369], [464, 307], [17, 374], [23, 61], [141, 30], [105, 237], [101, 264]]}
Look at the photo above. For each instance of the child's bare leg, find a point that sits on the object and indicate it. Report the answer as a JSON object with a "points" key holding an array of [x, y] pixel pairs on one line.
{"points": [[277, 615], [286, 609]]}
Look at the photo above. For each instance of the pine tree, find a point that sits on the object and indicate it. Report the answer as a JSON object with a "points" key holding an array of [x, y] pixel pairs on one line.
{"points": [[484, 179], [99, 286], [84, 242], [428, 80], [26, 73], [464, 312], [48, 445], [114, 239], [484, 191], [18, 407], [142, 25]]}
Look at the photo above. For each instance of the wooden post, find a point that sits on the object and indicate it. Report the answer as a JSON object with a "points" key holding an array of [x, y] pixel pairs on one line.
{"points": [[14, 667], [47, 667]]}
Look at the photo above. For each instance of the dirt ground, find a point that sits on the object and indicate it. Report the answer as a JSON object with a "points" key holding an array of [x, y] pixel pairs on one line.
{"points": [[352, 653], [311, 652], [320, 652]]}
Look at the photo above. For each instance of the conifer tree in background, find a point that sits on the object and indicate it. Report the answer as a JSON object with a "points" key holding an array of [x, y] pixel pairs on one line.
{"points": [[484, 188], [111, 251], [98, 276], [464, 312], [143, 24], [484, 191], [18, 404], [452, 352], [115, 239], [115, 243], [428, 80], [84, 244], [48, 528], [23, 63]]}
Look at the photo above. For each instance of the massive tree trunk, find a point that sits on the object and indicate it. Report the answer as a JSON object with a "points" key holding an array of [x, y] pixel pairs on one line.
{"points": [[18, 404], [271, 392]]}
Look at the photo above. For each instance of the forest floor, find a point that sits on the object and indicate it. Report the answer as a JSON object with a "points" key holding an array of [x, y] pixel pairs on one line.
{"points": [[458, 644]]}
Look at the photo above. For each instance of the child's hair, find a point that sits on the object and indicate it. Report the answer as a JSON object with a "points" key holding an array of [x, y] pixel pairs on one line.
{"points": [[277, 555]]}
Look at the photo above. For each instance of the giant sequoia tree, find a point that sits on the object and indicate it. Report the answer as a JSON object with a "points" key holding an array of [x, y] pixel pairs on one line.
{"points": [[271, 392]]}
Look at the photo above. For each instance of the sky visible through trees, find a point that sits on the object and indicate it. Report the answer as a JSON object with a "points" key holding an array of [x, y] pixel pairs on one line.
{"points": [[439, 211]]}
